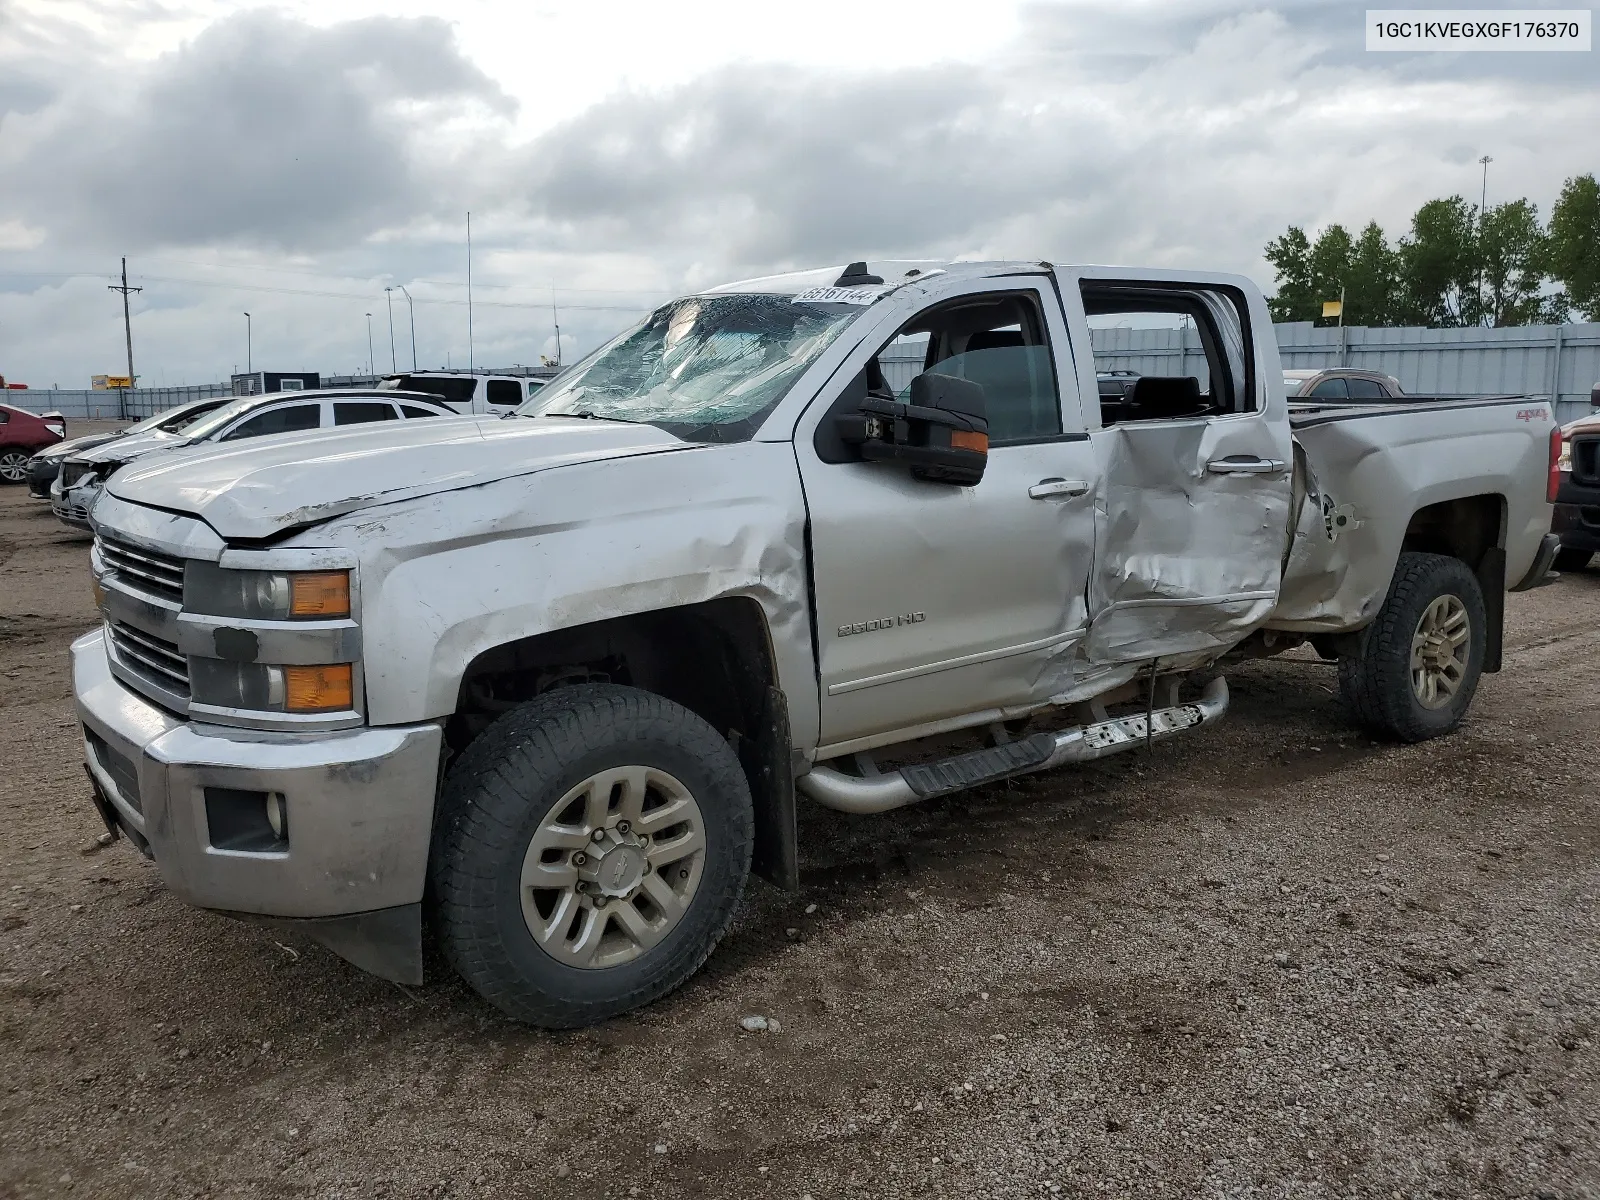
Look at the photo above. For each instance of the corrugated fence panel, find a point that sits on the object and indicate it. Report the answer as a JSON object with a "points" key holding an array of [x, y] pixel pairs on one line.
{"points": [[133, 405], [1447, 362]]}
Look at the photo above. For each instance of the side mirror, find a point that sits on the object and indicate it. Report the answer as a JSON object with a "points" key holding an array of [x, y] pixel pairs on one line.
{"points": [[942, 434]]}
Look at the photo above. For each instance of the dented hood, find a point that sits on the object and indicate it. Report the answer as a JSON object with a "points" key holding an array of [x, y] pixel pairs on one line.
{"points": [[261, 487]]}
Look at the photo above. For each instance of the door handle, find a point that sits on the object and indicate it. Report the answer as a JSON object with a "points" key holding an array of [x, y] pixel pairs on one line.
{"points": [[1246, 466], [1047, 488]]}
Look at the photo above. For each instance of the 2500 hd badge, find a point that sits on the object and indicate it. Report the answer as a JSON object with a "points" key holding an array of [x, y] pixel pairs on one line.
{"points": [[910, 618]]}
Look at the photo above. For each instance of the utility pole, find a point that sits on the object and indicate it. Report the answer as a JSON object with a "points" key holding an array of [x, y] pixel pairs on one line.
{"points": [[370, 371], [388, 294], [127, 331], [1483, 198], [249, 356], [413, 310], [472, 361]]}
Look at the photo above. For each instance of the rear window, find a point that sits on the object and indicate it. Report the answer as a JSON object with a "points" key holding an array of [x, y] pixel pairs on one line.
{"points": [[505, 391], [455, 389]]}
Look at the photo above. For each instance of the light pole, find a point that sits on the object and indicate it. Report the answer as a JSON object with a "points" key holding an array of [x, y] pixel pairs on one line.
{"points": [[369, 344], [413, 310], [388, 295], [1483, 199], [249, 367]]}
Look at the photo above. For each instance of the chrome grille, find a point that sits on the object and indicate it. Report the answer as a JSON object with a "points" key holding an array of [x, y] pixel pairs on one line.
{"points": [[145, 570], [157, 659]]}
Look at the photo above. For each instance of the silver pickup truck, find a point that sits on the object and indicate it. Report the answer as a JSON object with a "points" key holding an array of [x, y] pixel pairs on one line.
{"points": [[562, 679]]}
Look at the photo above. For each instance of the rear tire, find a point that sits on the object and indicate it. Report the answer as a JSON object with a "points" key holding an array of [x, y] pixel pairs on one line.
{"points": [[591, 849], [1570, 559], [1412, 673]]}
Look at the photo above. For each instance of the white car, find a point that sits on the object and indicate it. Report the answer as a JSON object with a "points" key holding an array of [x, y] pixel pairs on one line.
{"points": [[77, 485]]}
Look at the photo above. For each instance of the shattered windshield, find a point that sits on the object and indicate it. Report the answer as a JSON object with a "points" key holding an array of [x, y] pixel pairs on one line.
{"points": [[705, 367]]}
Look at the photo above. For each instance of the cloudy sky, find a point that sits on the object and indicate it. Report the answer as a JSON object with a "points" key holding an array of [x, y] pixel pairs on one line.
{"points": [[293, 159]]}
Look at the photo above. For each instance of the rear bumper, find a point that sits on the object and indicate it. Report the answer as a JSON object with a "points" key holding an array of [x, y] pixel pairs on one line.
{"points": [[357, 810]]}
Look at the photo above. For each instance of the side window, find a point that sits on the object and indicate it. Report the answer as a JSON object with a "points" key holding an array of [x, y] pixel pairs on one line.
{"points": [[1367, 389], [412, 410], [505, 391], [1336, 388], [287, 419], [4, 416], [1166, 352], [998, 341], [534, 387], [358, 412]]}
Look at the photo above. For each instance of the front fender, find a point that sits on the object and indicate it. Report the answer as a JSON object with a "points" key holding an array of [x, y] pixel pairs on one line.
{"points": [[448, 577]]}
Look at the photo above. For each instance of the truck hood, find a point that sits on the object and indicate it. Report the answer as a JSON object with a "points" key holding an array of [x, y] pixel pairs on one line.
{"points": [[262, 487]]}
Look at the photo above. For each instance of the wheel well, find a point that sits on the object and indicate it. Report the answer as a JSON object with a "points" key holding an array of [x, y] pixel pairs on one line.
{"points": [[1464, 528], [714, 658], [1471, 528]]}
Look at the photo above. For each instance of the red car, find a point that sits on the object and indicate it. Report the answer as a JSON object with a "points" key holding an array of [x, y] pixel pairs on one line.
{"points": [[22, 435]]}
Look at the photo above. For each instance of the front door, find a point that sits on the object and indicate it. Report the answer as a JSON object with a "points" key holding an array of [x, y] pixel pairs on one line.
{"points": [[935, 601], [1194, 458]]}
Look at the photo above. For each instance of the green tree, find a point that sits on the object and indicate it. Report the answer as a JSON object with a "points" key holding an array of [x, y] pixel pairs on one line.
{"points": [[1572, 253], [1295, 298], [1372, 282], [1363, 269], [1511, 264], [1439, 266]]}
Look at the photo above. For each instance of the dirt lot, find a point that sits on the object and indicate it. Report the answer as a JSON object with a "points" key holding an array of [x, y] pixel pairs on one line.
{"points": [[1274, 959]]}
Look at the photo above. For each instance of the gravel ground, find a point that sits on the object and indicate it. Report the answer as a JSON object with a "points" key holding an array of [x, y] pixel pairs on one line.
{"points": [[1272, 959]]}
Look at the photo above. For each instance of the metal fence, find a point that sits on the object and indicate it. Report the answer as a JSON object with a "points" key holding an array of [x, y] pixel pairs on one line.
{"points": [[133, 404], [1560, 361]]}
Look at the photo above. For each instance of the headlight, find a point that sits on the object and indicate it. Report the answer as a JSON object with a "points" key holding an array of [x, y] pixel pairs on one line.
{"points": [[266, 595], [265, 688]]}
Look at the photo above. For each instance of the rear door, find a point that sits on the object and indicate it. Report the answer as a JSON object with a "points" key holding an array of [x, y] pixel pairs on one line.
{"points": [[1192, 511]]}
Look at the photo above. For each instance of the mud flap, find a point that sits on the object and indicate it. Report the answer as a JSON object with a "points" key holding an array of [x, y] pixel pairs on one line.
{"points": [[1491, 573], [766, 762]]}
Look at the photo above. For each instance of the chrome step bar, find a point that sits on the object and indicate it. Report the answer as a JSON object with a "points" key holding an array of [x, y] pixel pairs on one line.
{"points": [[893, 789]]}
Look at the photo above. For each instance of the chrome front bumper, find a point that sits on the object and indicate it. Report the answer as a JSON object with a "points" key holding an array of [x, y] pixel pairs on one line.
{"points": [[358, 804]]}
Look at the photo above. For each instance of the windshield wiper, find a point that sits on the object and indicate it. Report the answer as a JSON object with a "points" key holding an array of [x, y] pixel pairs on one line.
{"points": [[586, 415]]}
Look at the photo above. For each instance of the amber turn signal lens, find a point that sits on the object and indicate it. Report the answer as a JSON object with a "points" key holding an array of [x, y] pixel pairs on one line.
{"points": [[966, 439], [318, 689], [319, 594]]}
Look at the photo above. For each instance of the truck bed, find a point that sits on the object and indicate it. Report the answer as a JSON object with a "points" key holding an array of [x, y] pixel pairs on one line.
{"points": [[1366, 471]]}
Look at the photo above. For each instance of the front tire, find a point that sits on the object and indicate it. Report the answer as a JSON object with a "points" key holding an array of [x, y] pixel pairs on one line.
{"points": [[591, 849], [13, 465], [1414, 670]]}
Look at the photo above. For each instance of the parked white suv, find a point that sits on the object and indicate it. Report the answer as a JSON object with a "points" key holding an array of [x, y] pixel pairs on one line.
{"points": [[467, 392], [78, 483]]}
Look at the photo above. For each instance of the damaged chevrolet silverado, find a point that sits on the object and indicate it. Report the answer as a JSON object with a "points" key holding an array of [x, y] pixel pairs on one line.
{"points": [[557, 682]]}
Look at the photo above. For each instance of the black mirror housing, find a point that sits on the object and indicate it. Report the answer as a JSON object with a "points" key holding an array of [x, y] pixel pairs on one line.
{"points": [[942, 434]]}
